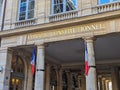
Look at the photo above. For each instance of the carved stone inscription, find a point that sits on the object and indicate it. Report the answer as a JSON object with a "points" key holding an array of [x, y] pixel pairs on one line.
{"points": [[66, 31]]}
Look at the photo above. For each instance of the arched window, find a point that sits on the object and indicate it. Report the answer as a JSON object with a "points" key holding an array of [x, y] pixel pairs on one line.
{"points": [[26, 9], [59, 6], [17, 74]]}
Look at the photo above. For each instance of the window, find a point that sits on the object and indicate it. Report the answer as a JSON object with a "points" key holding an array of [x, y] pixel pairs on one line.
{"points": [[26, 9], [59, 6], [106, 1]]}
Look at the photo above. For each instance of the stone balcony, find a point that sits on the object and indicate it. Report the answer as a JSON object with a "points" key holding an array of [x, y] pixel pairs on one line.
{"points": [[25, 23], [106, 7], [63, 16]]}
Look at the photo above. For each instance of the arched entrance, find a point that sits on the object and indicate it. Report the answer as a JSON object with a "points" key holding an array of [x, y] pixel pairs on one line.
{"points": [[17, 74]]}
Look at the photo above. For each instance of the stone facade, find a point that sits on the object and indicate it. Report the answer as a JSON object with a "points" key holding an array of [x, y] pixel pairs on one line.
{"points": [[89, 20]]}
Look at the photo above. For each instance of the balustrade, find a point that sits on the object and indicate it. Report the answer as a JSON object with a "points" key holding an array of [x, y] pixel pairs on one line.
{"points": [[107, 7], [24, 23], [63, 16]]}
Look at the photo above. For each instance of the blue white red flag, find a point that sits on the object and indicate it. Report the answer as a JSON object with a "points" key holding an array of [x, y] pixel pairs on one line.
{"points": [[86, 60], [33, 59]]}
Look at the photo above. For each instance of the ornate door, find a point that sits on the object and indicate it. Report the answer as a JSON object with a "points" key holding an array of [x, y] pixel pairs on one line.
{"points": [[17, 74]]}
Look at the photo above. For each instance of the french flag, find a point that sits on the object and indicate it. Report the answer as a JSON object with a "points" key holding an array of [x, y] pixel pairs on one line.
{"points": [[33, 59], [86, 60]]}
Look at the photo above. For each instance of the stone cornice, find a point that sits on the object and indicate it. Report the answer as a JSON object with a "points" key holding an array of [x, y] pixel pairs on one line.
{"points": [[64, 23]]}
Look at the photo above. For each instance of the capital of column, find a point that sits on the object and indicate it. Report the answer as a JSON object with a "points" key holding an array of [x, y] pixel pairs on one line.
{"points": [[89, 39], [5, 50], [2, 50], [10, 50], [41, 46], [113, 68]]}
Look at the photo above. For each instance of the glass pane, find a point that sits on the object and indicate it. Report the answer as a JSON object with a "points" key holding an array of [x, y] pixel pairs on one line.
{"points": [[30, 14], [115, 0], [22, 8], [58, 8], [12, 81], [70, 5], [18, 84], [22, 16], [31, 5], [1, 6], [58, 1], [31, 0], [23, 4], [1, 2], [104, 1], [23, 1]]}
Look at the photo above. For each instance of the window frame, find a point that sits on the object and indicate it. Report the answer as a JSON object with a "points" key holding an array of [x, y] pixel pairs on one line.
{"points": [[26, 11], [64, 7]]}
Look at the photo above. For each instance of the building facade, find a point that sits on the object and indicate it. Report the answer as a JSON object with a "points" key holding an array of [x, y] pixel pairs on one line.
{"points": [[60, 31]]}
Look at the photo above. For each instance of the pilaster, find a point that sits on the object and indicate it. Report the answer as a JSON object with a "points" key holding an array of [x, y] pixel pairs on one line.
{"points": [[40, 11], [30, 78], [8, 14], [5, 63]]}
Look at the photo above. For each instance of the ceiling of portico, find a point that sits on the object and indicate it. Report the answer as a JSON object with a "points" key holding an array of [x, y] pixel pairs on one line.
{"points": [[107, 49]]}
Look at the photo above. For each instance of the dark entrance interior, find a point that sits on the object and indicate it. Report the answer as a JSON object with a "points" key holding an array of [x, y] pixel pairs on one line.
{"points": [[68, 56]]}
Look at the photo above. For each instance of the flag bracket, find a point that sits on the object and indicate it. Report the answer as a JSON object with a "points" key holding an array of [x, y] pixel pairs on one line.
{"points": [[40, 70], [93, 66]]}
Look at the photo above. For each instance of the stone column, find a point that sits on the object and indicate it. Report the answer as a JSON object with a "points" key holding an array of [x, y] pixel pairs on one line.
{"points": [[47, 76], [5, 63], [103, 84], [69, 77], [115, 78], [39, 74], [91, 79], [60, 79], [100, 82]]}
